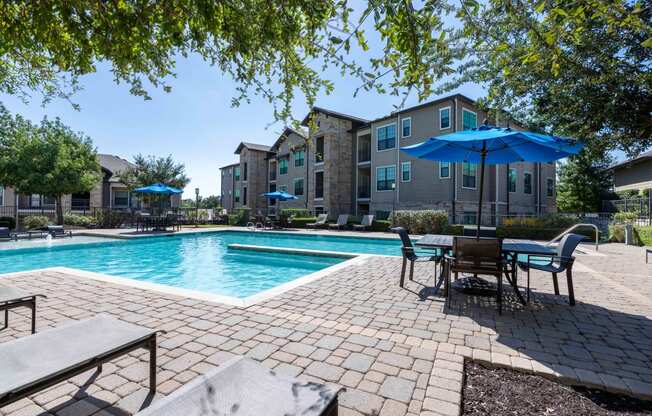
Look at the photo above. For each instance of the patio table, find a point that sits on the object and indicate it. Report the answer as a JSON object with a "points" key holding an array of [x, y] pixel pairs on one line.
{"points": [[511, 250]]}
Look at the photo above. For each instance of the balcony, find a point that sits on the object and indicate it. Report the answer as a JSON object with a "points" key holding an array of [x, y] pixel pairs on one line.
{"points": [[272, 175], [364, 149], [364, 192]]}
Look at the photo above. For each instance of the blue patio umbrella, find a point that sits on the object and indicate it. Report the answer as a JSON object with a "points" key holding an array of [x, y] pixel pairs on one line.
{"points": [[280, 195], [158, 189], [493, 145]]}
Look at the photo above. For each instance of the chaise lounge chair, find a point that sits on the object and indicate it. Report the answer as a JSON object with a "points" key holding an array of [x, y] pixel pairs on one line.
{"points": [[6, 234], [11, 297], [58, 231], [342, 220], [365, 224], [321, 221], [34, 363], [243, 387]]}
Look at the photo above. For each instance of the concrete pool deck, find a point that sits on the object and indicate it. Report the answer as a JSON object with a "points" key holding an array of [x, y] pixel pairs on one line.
{"points": [[397, 351]]}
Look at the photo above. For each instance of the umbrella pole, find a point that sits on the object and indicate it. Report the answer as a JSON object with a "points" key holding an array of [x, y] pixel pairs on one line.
{"points": [[483, 155]]}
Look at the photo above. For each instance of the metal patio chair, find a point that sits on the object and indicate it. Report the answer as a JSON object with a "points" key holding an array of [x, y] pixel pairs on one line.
{"points": [[562, 262], [409, 255]]}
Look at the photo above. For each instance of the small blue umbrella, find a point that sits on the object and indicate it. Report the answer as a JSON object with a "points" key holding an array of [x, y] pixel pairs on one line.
{"points": [[493, 145], [158, 189], [280, 195]]}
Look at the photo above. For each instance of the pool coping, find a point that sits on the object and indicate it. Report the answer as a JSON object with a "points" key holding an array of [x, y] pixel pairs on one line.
{"points": [[199, 295]]}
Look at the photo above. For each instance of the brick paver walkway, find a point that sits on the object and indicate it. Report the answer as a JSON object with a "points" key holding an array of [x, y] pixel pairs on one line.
{"points": [[397, 351]]}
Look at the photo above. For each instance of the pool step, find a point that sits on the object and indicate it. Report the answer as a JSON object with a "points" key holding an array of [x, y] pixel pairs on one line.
{"points": [[304, 252]]}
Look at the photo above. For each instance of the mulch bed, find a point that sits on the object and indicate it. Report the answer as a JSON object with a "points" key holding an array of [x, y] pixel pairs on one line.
{"points": [[497, 391]]}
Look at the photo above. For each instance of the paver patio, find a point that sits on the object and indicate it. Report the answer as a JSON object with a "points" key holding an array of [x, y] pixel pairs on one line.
{"points": [[397, 351]]}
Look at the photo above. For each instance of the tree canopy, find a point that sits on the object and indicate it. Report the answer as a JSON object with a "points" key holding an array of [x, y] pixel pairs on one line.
{"points": [[148, 170], [584, 182], [579, 68], [47, 159]]}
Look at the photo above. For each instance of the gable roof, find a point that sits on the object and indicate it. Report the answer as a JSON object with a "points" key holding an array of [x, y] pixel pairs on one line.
{"points": [[229, 166], [113, 165], [426, 104], [640, 158], [333, 114], [287, 132], [252, 146]]}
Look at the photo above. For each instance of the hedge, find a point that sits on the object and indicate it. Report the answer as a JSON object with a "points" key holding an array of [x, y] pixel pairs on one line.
{"points": [[9, 222], [78, 220], [539, 233], [642, 235], [427, 221], [240, 217], [32, 222], [380, 225], [295, 212], [301, 222]]}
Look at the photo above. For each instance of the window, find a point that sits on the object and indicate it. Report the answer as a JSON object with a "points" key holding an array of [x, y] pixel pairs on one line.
{"points": [[319, 185], [319, 210], [35, 201], [319, 150], [406, 127], [469, 119], [444, 118], [120, 198], [244, 195], [283, 188], [469, 218], [283, 166], [444, 170], [2, 195], [272, 171], [298, 187], [406, 171], [512, 180], [527, 183], [385, 178], [299, 157], [386, 136], [236, 173], [246, 170], [236, 195], [550, 187], [469, 171]]}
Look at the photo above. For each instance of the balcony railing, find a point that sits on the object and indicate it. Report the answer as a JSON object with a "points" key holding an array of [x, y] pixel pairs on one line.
{"points": [[364, 152], [364, 192]]}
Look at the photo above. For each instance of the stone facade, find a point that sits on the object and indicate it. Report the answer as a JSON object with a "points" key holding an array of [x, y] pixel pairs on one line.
{"points": [[350, 167]]}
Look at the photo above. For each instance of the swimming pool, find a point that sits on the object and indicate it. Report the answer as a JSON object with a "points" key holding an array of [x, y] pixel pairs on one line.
{"points": [[202, 261]]}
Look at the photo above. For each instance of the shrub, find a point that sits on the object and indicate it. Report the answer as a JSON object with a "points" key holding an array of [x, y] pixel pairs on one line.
{"points": [[78, 220], [427, 221], [625, 217], [192, 216], [454, 229], [296, 212], [32, 222], [9, 222], [110, 219], [380, 225], [301, 222], [545, 221], [239, 217], [643, 235]]}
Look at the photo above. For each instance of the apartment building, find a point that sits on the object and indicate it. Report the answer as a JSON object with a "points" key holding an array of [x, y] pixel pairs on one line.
{"points": [[346, 164], [110, 192], [244, 183]]}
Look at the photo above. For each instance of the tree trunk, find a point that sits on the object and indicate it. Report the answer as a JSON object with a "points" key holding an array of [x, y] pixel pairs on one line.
{"points": [[59, 210]]}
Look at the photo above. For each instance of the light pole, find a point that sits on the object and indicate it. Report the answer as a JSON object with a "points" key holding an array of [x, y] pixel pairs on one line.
{"points": [[196, 207]]}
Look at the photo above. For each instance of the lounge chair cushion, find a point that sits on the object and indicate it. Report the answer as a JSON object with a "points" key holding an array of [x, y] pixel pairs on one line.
{"points": [[29, 360], [243, 387]]}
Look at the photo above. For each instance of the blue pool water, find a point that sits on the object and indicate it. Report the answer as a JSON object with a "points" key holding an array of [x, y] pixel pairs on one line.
{"points": [[199, 261]]}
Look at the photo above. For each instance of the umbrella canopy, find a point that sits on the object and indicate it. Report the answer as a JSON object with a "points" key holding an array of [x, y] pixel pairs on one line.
{"points": [[158, 188], [493, 145], [280, 195]]}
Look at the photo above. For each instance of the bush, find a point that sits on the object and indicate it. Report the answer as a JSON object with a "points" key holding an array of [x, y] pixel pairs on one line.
{"points": [[110, 219], [642, 235], [544, 221], [427, 221], [625, 217], [9, 222], [33, 222], [240, 217], [78, 220], [454, 229], [301, 222], [296, 212], [380, 225], [192, 216]]}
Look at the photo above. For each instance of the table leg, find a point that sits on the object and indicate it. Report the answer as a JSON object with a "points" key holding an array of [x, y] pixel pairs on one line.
{"points": [[514, 280]]}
